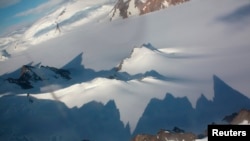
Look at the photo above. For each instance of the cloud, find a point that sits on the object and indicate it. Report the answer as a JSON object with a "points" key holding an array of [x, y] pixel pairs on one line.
{"points": [[6, 3], [40, 8]]}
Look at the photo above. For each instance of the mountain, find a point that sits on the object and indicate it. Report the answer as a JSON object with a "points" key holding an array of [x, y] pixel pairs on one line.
{"points": [[33, 74], [65, 18], [127, 8], [166, 135], [186, 64], [241, 117]]}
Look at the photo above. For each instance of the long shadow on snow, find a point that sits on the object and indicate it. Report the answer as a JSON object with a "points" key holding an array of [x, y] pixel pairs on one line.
{"points": [[238, 15], [22, 119], [76, 17], [50, 120], [175, 111]]}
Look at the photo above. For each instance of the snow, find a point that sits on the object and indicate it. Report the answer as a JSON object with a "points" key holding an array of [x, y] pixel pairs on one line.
{"points": [[132, 9], [204, 139], [244, 122], [192, 41], [102, 89], [143, 1], [67, 17], [165, 3]]}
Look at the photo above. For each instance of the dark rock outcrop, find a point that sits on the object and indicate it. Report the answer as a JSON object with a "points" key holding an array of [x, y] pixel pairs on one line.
{"points": [[32, 74], [163, 135], [242, 116]]}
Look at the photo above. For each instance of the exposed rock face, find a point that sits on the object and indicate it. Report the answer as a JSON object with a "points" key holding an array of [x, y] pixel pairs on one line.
{"points": [[26, 76], [31, 74], [144, 137], [229, 118], [126, 8], [163, 135], [243, 117]]}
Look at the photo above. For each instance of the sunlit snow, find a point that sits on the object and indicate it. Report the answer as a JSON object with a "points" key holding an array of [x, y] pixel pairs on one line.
{"points": [[191, 42]]}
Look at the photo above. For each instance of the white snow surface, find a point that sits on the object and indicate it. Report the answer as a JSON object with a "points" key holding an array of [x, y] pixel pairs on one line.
{"points": [[245, 122], [204, 139], [132, 9], [193, 41], [67, 17]]}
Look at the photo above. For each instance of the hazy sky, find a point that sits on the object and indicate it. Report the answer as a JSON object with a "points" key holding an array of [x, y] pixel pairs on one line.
{"points": [[15, 14]]}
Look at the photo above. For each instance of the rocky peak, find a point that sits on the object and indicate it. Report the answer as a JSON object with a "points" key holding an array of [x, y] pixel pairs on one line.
{"points": [[126, 8], [243, 117], [166, 135], [32, 74]]}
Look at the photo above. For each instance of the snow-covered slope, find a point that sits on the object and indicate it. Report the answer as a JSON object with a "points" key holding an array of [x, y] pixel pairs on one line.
{"points": [[62, 20], [177, 50], [67, 17]]}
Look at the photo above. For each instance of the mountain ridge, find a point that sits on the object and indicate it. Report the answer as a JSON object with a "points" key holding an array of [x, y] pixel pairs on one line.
{"points": [[127, 8]]}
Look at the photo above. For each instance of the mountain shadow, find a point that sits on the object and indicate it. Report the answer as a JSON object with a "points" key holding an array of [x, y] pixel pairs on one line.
{"points": [[166, 114], [225, 102], [101, 122], [171, 111], [238, 15], [30, 119], [39, 120]]}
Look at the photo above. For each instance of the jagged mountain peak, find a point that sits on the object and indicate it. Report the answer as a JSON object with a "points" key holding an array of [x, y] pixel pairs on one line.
{"points": [[32, 74], [139, 52], [126, 8]]}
